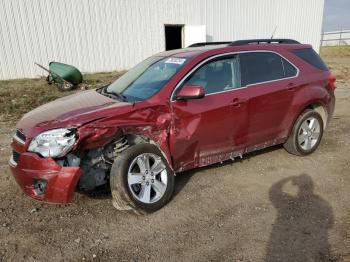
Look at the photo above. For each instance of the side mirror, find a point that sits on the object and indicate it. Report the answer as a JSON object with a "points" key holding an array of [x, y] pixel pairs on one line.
{"points": [[190, 92]]}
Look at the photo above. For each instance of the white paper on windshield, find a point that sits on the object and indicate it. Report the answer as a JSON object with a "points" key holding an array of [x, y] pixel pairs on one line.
{"points": [[175, 60]]}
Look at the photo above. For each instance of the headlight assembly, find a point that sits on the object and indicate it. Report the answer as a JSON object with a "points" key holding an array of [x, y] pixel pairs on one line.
{"points": [[53, 143]]}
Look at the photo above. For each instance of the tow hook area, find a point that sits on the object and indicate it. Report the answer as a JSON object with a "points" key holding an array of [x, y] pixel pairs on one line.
{"points": [[43, 179], [40, 186]]}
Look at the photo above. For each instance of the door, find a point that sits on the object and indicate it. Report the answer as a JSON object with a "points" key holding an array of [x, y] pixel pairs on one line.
{"points": [[270, 80], [173, 37], [209, 129], [194, 34]]}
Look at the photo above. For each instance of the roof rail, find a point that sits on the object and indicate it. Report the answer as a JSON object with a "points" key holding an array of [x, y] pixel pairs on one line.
{"points": [[264, 41], [209, 43], [247, 42]]}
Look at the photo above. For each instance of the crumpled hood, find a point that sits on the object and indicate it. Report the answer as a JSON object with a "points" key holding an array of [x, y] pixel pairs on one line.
{"points": [[73, 110]]}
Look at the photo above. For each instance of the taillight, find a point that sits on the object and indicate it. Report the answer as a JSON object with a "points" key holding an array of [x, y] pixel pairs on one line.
{"points": [[331, 81]]}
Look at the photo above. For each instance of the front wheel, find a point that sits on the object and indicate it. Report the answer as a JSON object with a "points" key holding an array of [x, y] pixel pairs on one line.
{"points": [[141, 179], [306, 134]]}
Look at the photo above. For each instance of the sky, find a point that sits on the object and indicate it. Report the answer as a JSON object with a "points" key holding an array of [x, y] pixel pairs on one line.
{"points": [[336, 15]]}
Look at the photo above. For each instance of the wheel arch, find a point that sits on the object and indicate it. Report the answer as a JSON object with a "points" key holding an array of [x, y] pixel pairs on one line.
{"points": [[318, 106], [134, 138]]}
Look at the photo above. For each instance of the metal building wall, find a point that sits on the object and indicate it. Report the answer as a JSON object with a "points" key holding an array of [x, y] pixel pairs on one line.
{"points": [[108, 35]]}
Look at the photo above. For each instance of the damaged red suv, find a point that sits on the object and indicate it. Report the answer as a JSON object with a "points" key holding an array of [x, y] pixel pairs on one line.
{"points": [[175, 111]]}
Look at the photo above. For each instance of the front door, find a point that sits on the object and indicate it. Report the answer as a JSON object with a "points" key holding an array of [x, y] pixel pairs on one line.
{"points": [[208, 130]]}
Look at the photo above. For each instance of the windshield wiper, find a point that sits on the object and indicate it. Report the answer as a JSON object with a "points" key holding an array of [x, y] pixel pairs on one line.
{"points": [[116, 94]]}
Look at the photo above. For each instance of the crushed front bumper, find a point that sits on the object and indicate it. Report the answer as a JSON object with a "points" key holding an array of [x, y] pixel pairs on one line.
{"points": [[43, 179]]}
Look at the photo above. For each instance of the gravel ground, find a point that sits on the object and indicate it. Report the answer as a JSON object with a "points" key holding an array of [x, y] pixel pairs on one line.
{"points": [[269, 206]]}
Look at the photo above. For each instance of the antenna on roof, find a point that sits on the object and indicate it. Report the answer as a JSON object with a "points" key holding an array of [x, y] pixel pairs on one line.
{"points": [[274, 31]]}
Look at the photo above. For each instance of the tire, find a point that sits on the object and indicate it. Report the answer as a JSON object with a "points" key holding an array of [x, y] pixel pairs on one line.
{"points": [[126, 169], [313, 136]]}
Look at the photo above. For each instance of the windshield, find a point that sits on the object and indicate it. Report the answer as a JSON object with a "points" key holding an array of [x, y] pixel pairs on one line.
{"points": [[146, 78]]}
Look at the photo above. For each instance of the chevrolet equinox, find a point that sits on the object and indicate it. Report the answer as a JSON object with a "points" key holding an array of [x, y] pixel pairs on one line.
{"points": [[175, 111]]}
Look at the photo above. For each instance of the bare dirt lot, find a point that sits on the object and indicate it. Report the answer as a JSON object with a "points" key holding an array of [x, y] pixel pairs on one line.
{"points": [[269, 206]]}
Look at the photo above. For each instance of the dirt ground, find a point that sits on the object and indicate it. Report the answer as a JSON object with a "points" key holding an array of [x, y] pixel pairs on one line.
{"points": [[269, 206]]}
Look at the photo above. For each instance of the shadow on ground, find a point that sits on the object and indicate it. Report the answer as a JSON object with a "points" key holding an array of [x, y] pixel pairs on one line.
{"points": [[184, 177], [300, 231]]}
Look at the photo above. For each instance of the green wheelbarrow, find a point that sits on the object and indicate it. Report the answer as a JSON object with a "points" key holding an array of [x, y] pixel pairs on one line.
{"points": [[66, 77]]}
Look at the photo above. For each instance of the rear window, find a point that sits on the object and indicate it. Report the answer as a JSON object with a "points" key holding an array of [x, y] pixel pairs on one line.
{"points": [[310, 56]]}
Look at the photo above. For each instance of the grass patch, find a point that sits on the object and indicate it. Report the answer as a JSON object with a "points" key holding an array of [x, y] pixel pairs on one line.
{"points": [[335, 51], [19, 96], [341, 71], [338, 60]]}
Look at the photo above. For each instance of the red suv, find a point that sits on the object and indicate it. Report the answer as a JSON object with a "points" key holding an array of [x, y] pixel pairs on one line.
{"points": [[174, 111]]}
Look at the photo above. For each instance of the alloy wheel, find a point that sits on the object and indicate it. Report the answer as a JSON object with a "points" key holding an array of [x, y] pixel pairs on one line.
{"points": [[309, 133], [147, 178]]}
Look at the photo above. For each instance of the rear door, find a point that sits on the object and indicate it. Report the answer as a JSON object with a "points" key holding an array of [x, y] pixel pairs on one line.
{"points": [[204, 130], [271, 81]]}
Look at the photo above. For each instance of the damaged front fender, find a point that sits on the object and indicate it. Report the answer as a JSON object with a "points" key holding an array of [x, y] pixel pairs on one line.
{"points": [[152, 123], [93, 136]]}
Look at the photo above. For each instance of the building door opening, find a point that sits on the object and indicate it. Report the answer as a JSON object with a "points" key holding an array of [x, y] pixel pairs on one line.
{"points": [[173, 37]]}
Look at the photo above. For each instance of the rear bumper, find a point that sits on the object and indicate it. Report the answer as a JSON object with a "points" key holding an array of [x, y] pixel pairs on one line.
{"points": [[43, 179]]}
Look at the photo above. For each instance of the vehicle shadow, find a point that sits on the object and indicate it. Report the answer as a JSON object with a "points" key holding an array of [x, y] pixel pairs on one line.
{"points": [[300, 231], [102, 192], [184, 177]]}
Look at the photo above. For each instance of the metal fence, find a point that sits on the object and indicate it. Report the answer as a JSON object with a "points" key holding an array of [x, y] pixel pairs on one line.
{"points": [[341, 37]]}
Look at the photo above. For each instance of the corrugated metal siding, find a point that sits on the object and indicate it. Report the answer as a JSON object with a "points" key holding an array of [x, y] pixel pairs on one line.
{"points": [[111, 35]]}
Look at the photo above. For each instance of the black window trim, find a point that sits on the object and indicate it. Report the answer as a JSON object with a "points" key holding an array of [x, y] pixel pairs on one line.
{"points": [[173, 97]]}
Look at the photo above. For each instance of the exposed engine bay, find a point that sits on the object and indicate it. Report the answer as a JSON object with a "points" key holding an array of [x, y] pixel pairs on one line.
{"points": [[96, 163]]}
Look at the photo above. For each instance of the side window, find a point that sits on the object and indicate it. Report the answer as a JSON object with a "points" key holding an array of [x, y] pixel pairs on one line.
{"points": [[218, 75], [257, 67], [288, 69]]}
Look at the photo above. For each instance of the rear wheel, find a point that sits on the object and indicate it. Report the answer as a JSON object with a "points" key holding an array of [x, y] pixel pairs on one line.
{"points": [[306, 134], [141, 179]]}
